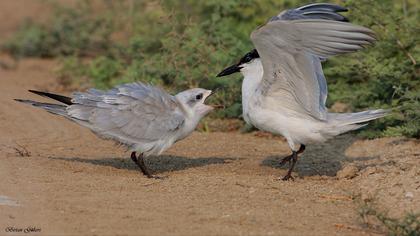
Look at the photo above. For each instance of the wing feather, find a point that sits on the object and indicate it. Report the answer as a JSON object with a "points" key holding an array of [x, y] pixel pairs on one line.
{"points": [[313, 11], [290, 52], [130, 113]]}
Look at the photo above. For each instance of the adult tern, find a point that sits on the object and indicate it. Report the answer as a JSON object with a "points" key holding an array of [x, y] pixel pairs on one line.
{"points": [[284, 89]]}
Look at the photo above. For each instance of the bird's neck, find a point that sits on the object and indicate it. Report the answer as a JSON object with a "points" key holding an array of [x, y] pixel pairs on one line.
{"points": [[253, 74]]}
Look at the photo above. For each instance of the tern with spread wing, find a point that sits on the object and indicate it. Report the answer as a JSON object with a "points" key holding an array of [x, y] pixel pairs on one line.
{"points": [[284, 89], [144, 118]]}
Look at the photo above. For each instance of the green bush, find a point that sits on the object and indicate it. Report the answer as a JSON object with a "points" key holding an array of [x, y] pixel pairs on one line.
{"points": [[408, 225], [385, 75], [70, 31], [184, 44]]}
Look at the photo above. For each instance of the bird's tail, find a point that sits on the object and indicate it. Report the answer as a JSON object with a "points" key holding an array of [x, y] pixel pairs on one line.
{"points": [[57, 97], [50, 107], [339, 123]]}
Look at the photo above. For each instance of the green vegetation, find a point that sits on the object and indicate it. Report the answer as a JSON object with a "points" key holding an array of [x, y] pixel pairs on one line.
{"points": [[386, 75], [183, 44], [70, 32], [409, 225]]}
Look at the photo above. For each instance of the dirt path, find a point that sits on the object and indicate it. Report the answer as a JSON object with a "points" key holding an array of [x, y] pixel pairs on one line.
{"points": [[218, 183], [62, 179]]}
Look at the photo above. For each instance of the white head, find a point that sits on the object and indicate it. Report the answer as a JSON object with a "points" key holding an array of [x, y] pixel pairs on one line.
{"points": [[249, 65], [193, 100]]}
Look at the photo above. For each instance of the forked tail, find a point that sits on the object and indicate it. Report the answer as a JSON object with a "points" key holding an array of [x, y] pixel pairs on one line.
{"points": [[50, 107]]}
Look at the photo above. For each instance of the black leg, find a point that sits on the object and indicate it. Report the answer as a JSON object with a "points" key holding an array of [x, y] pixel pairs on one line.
{"points": [[289, 176], [293, 159], [286, 159], [140, 163], [301, 149], [134, 157], [289, 158]]}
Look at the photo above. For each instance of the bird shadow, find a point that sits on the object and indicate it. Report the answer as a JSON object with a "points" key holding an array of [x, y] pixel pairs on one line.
{"points": [[321, 159], [157, 164]]}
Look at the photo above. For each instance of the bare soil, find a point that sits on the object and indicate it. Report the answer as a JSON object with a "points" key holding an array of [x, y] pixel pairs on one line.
{"points": [[62, 179]]}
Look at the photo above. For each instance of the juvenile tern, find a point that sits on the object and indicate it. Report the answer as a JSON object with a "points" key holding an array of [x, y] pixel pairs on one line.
{"points": [[144, 118]]}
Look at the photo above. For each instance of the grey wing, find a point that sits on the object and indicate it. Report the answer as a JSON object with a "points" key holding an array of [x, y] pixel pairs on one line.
{"points": [[325, 11], [290, 52], [131, 113]]}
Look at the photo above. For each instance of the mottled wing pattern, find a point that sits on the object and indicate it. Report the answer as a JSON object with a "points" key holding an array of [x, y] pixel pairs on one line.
{"points": [[130, 113]]}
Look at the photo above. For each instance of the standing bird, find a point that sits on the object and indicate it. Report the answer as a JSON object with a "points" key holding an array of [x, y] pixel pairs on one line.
{"points": [[144, 118], [284, 88]]}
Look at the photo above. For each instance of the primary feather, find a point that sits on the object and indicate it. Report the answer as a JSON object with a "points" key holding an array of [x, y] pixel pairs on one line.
{"points": [[313, 11]]}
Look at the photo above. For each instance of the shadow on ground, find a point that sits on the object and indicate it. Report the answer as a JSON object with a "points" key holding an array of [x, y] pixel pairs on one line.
{"points": [[321, 159], [158, 164]]}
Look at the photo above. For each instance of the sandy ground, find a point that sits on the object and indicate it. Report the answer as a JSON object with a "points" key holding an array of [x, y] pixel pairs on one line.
{"points": [[61, 179]]}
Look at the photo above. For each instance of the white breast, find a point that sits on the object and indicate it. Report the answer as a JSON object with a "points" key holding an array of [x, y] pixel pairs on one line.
{"points": [[267, 115], [253, 73]]}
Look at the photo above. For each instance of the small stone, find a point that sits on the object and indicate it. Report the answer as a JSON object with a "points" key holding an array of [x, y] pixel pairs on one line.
{"points": [[348, 172], [404, 166], [370, 171], [409, 195]]}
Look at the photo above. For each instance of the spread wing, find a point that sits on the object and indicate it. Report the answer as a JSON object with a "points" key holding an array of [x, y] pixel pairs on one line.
{"points": [[325, 11], [291, 52], [130, 113]]}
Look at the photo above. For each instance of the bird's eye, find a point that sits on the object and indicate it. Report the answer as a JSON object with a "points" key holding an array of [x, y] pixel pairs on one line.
{"points": [[199, 96], [247, 58]]}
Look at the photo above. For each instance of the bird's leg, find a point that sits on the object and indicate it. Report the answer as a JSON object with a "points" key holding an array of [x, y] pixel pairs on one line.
{"points": [[140, 163], [289, 158], [134, 157], [286, 159], [293, 159], [289, 172], [301, 149]]}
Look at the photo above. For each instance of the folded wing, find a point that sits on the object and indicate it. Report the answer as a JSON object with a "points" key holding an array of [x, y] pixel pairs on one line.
{"points": [[130, 113]]}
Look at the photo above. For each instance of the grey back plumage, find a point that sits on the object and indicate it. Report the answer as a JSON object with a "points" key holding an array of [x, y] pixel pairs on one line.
{"points": [[291, 48], [130, 113]]}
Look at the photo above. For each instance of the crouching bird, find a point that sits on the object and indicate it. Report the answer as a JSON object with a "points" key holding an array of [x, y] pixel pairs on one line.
{"points": [[146, 119], [284, 88]]}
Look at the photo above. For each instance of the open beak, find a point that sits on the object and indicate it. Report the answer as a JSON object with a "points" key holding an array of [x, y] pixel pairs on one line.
{"points": [[211, 94], [230, 70]]}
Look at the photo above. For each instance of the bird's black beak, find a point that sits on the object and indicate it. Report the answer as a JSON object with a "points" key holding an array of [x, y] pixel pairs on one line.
{"points": [[230, 70]]}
